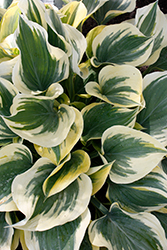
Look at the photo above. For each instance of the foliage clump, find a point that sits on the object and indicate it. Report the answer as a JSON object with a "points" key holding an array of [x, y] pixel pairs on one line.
{"points": [[83, 132]]}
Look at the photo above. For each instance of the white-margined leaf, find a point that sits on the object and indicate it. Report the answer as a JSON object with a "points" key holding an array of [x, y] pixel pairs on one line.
{"points": [[42, 213], [34, 10], [73, 13], [90, 37], [113, 8], [146, 194], [98, 176], [6, 68], [14, 159], [120, 85], [153, 117], [122, 230], [152, 22], [121, 44], [79, 44], [9, 22], [100, 116], [7, 92], [62, 176], [37, 120], [67, 236], [34, 72], [135, 153], [57, 32], [6, 233], [6, 134], [58, 153]]}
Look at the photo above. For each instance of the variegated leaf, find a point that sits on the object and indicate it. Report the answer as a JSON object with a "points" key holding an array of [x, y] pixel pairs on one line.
{"points": [[37, 120], [57, 32], [113, 8], [146, 194], [153, 117], [98, 176], [6, 233], [121, 44], [14, 159], [7, 92], [62, 176], [34, 10], [78, 43], [135, 153], [4, 55], [90, 37], [67, 236], [9, 22], [43, 213], [120, 85], [100, 116], [152, 22], [73, 13], [122, 230], [6, 68], [6, 135], [34, 72], [93, 6], [58, 153]]}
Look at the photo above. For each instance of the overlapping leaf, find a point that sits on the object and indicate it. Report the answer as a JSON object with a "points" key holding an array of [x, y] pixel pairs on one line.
{"points": [[34, 72], [153, 117], [135, 153], [67, 236], [6, 233], [58, 153], [152, 22], [120, 85], [6, 68], [14, 159], [6, 135], [37, 120], [73, 13], [121, 44], [56, 32], [9, 22], [146, 194], [121, 230], [78, 43], [98, 176], [7, 93], [113, 8], [43, 213], [100, 116], [34, 10], [63, 175]]}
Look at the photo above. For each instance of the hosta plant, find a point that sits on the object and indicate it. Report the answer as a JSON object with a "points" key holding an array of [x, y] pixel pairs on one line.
{"points": [[83, 127]]}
